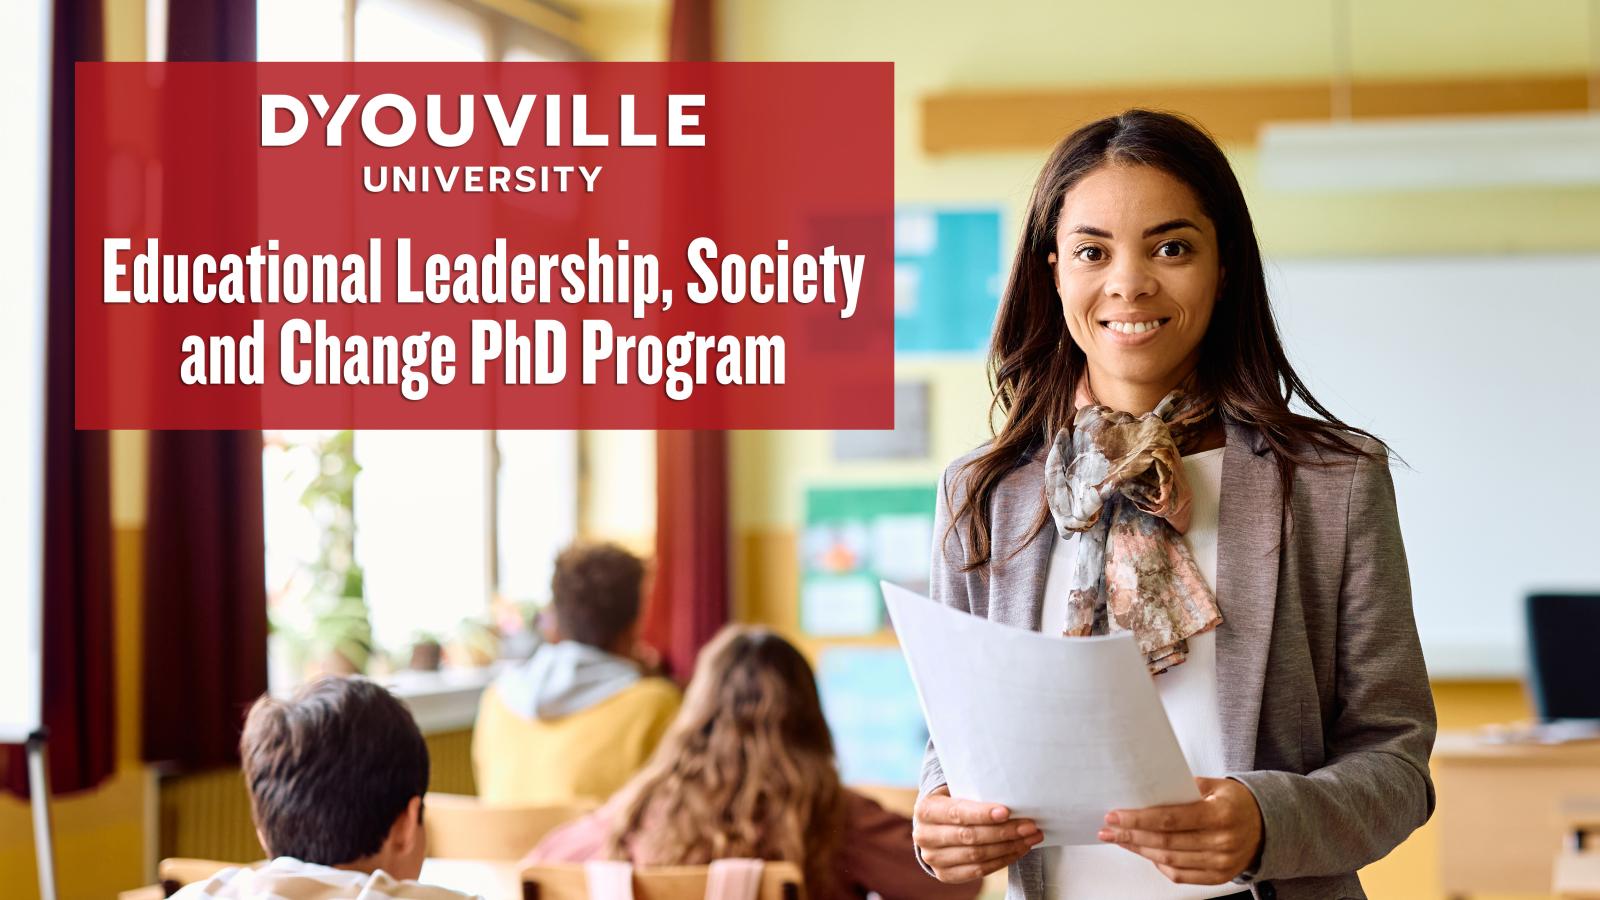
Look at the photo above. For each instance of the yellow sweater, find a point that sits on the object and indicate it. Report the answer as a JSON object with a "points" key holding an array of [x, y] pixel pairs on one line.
{"points": [[587, 755]]}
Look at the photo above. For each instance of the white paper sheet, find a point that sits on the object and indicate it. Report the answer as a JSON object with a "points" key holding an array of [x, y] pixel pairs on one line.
{"points": [[1058, 730]]}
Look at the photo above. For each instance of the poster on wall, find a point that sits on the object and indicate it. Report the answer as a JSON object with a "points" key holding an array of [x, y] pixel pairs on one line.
{"points": [[947, 278], [853, 537], [909, 439], [871, 706]]}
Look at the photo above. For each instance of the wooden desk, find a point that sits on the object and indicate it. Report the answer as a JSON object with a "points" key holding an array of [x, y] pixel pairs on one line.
{"points": [[1500, 815]]}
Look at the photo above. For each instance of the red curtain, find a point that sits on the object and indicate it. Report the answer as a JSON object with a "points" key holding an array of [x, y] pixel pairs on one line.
{"points": [[205, 619], [79, 703], [693, 37], [689, 600], [211, 30], [205, 622]]}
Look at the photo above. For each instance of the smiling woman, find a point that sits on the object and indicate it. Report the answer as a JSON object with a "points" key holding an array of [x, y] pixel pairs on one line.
{"points": [[1151, 477], [1122, 279]]}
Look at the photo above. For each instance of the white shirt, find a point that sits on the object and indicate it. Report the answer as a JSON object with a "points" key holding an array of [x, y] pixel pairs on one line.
{"points": [[290, 879], [1188, 693]]}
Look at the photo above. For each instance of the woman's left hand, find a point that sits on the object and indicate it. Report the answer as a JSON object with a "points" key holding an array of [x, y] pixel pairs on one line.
{"points": [[1210, 841]]}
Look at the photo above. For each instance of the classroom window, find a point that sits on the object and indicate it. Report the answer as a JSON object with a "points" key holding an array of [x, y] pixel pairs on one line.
{"points": [[379, 540], [404, 31], [419, 31], [424, 530], [300, 30]]}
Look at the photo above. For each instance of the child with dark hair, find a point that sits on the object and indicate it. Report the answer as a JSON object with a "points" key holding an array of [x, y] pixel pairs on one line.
{"points": [[336, 775], [580, 716]]}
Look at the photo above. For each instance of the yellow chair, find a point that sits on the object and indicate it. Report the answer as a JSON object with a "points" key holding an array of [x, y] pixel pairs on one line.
{"points": [[779, 881], [461, 827]]}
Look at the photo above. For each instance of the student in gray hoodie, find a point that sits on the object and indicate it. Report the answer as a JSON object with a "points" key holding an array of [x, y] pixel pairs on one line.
{"points": [[579, 717]]}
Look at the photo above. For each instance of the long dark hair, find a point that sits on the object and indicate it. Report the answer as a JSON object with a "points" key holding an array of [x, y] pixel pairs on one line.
{"points": [[1034, 365]]}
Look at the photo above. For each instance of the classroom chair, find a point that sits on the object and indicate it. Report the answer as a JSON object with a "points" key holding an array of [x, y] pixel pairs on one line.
{"points": [[461, 827], [779, 881], [902, 800], [174, 874], [177, 872], [1577, 873]]}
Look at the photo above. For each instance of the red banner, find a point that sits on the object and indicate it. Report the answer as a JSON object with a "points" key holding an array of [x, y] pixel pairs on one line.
{"points": [[538, 245]]}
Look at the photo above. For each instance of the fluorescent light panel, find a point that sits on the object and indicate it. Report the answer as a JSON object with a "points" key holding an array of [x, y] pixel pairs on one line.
{"points": [[1432, 153]]}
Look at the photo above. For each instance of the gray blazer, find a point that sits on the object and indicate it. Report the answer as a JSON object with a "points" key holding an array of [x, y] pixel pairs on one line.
{"points": [[1333, 737]]}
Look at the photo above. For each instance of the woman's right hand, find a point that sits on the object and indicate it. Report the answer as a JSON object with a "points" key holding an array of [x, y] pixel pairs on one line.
{"points": [[964, 840]]}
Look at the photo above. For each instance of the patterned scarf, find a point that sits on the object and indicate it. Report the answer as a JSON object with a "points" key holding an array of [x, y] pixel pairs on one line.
{"points": [[1117, 480]]}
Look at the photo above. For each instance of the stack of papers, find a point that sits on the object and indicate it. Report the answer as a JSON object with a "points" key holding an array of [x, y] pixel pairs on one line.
{"points": [[1058, 730]]}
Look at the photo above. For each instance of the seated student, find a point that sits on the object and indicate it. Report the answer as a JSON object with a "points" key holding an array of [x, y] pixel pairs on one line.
{"points": [[579, 717], [336, 777], [747, 771]]}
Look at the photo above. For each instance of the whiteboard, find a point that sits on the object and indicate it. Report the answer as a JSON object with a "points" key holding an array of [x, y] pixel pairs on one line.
{"points": [[1481, 373], [23, 229]]}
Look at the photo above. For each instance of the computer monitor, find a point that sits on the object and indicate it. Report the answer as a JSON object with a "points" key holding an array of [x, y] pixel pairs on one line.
{"points": [[1563, 632]]}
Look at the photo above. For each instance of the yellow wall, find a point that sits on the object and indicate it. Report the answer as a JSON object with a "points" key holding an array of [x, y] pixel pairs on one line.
{"points": [[616, 496]]}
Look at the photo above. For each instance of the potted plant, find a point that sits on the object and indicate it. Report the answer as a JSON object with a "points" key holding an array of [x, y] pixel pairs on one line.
{"points": [[474, 644], [427, 653], [331, 632]]}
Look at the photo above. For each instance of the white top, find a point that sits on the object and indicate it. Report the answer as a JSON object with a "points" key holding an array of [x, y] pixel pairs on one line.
{"points": [[290, 879], [1189, 694]]}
